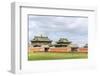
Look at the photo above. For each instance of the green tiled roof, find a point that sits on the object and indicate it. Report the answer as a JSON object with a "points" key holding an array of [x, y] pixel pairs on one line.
{"points": [[41, 38], [63, 40]]}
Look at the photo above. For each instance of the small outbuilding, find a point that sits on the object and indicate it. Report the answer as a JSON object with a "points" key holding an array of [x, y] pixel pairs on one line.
{"points": [[74, 47]]}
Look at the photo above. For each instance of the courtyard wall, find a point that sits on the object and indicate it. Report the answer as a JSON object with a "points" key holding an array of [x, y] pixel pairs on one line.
{"points": [[56, 49]]}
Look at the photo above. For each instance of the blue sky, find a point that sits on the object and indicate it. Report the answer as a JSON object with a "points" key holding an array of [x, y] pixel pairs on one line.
{"points": [[75, 29]]}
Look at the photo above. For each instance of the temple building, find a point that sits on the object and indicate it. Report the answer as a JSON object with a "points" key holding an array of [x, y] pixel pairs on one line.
{"points": [[62, 42], [39, 41]]}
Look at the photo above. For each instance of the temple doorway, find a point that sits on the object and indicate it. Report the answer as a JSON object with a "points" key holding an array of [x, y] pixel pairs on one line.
{"points": [[74, 49], [46, 49]]}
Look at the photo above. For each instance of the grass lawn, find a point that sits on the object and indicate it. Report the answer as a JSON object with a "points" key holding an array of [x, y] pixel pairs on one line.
{"points": [[53, 56]]}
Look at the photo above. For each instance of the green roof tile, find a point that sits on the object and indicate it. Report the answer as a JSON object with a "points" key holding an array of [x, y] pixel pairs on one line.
{"points": [[41, 38]]}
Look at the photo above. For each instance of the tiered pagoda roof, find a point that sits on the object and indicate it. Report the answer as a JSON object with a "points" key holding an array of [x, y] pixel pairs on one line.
{"points": [[41, 39], [62, 42]]}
